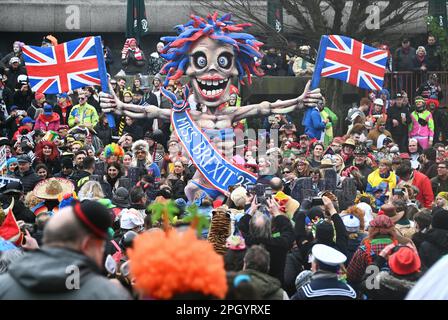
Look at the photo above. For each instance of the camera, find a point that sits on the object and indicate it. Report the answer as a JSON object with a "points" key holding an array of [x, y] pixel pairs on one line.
{"points": [[317, 201], [397, 192], [263, 192], [250, 187]]}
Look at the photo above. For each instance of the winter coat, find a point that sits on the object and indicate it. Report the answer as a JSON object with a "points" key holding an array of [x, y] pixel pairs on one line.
{"points": [[429, 169], [177, 186], [365, 255], [104, 133], [86, 114], [23, 99], [325, 286], [29, 179], [7, 96], [439, 185], [423, 129], [425, 195], [274, 61], [43, 274], [267, 287], [135, 131], [54, 166], [312, 121], [46, 123], [21, 212], [12, 75], [404, 60], [133, 66], [391, 287], [34, 110], [278, 245], [433, 247], [354, 241], [394, 113], [63, 114], [374, 180], [433, 57]]}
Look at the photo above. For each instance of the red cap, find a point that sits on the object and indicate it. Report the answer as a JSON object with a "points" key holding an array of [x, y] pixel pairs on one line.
{"points": [[405, 261], [405, 156], [39, 95], [217, 203]]}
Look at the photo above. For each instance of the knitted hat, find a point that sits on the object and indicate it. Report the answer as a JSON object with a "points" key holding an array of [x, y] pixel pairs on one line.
{"points": [[381, 221], [440, 219], [94, 216], [443, 195], [166, 264], [324, 232], [351, 223], [121, 198]]}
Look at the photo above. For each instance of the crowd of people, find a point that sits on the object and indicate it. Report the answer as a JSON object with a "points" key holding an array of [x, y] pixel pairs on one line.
{"points": [[326, 210]]}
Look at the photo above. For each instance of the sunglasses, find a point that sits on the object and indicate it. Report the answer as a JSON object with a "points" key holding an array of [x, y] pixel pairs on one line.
{"points": [[285, 172]]}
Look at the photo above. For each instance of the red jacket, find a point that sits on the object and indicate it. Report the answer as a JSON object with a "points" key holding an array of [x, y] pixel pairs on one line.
{"points": [[425, 194], [46, 123]]}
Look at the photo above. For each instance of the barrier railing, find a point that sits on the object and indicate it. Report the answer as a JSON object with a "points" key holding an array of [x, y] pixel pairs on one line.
{"points": [[411, 81]]}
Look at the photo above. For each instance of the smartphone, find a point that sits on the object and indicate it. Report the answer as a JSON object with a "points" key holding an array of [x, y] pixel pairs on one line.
{"points": [[268, 193], [397, 192]]}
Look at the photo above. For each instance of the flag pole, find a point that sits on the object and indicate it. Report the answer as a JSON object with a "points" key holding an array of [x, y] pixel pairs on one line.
{"points": [[315, 80], [103, 76]]}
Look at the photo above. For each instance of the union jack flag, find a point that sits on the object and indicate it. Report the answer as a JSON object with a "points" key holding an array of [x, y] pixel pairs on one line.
{"points": [[67, 66], [351, 61]]}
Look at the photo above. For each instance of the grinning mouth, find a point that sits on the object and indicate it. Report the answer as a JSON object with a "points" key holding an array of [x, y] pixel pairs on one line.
{"points": [[212, 88]]}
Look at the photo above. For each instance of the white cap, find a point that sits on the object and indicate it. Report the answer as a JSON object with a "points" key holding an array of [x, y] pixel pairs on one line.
{"points": [[351, 222], [14, 59], [130, 219], [328, 255], [378, 101]]}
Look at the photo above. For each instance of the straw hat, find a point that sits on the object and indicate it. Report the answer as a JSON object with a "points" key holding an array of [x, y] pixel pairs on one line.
{"points": [[50, 189]]}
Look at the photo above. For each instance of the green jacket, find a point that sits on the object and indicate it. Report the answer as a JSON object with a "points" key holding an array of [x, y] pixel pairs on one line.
{"points": [[86, 114]]}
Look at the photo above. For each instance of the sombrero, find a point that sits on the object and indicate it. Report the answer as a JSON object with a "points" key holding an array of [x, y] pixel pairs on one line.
{"points": [[50, 189]]}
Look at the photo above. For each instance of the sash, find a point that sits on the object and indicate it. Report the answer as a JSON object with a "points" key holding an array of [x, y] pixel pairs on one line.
{"points": [[216, 169]]}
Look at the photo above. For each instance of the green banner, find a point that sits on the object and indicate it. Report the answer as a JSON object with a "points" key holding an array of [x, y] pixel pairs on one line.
{"points": [[137, 24], [275, 15]]}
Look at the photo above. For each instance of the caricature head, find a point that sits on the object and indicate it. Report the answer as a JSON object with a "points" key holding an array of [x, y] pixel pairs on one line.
{"points": [[211, 52]]}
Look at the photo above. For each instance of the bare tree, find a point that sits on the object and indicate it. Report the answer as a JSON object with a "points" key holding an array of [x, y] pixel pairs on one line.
{"points": [[313, 18]]}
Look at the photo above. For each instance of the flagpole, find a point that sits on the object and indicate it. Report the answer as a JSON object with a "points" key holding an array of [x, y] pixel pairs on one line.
{"points": [[315, 80]]}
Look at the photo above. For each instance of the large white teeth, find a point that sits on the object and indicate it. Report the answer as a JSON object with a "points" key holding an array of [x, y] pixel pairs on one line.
{"points": [[219, 91], [213, 92], [215, 83], [209, 93], [204, 91], [221, 81], [209, 83]]}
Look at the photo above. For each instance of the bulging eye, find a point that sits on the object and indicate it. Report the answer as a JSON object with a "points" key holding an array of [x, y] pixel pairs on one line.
{"points": [[225, 60], [200, 60]]}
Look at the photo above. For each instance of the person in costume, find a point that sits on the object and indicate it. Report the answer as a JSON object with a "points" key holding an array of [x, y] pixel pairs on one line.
{"points": [[212, 52], [113, 153], [422, 125]]}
